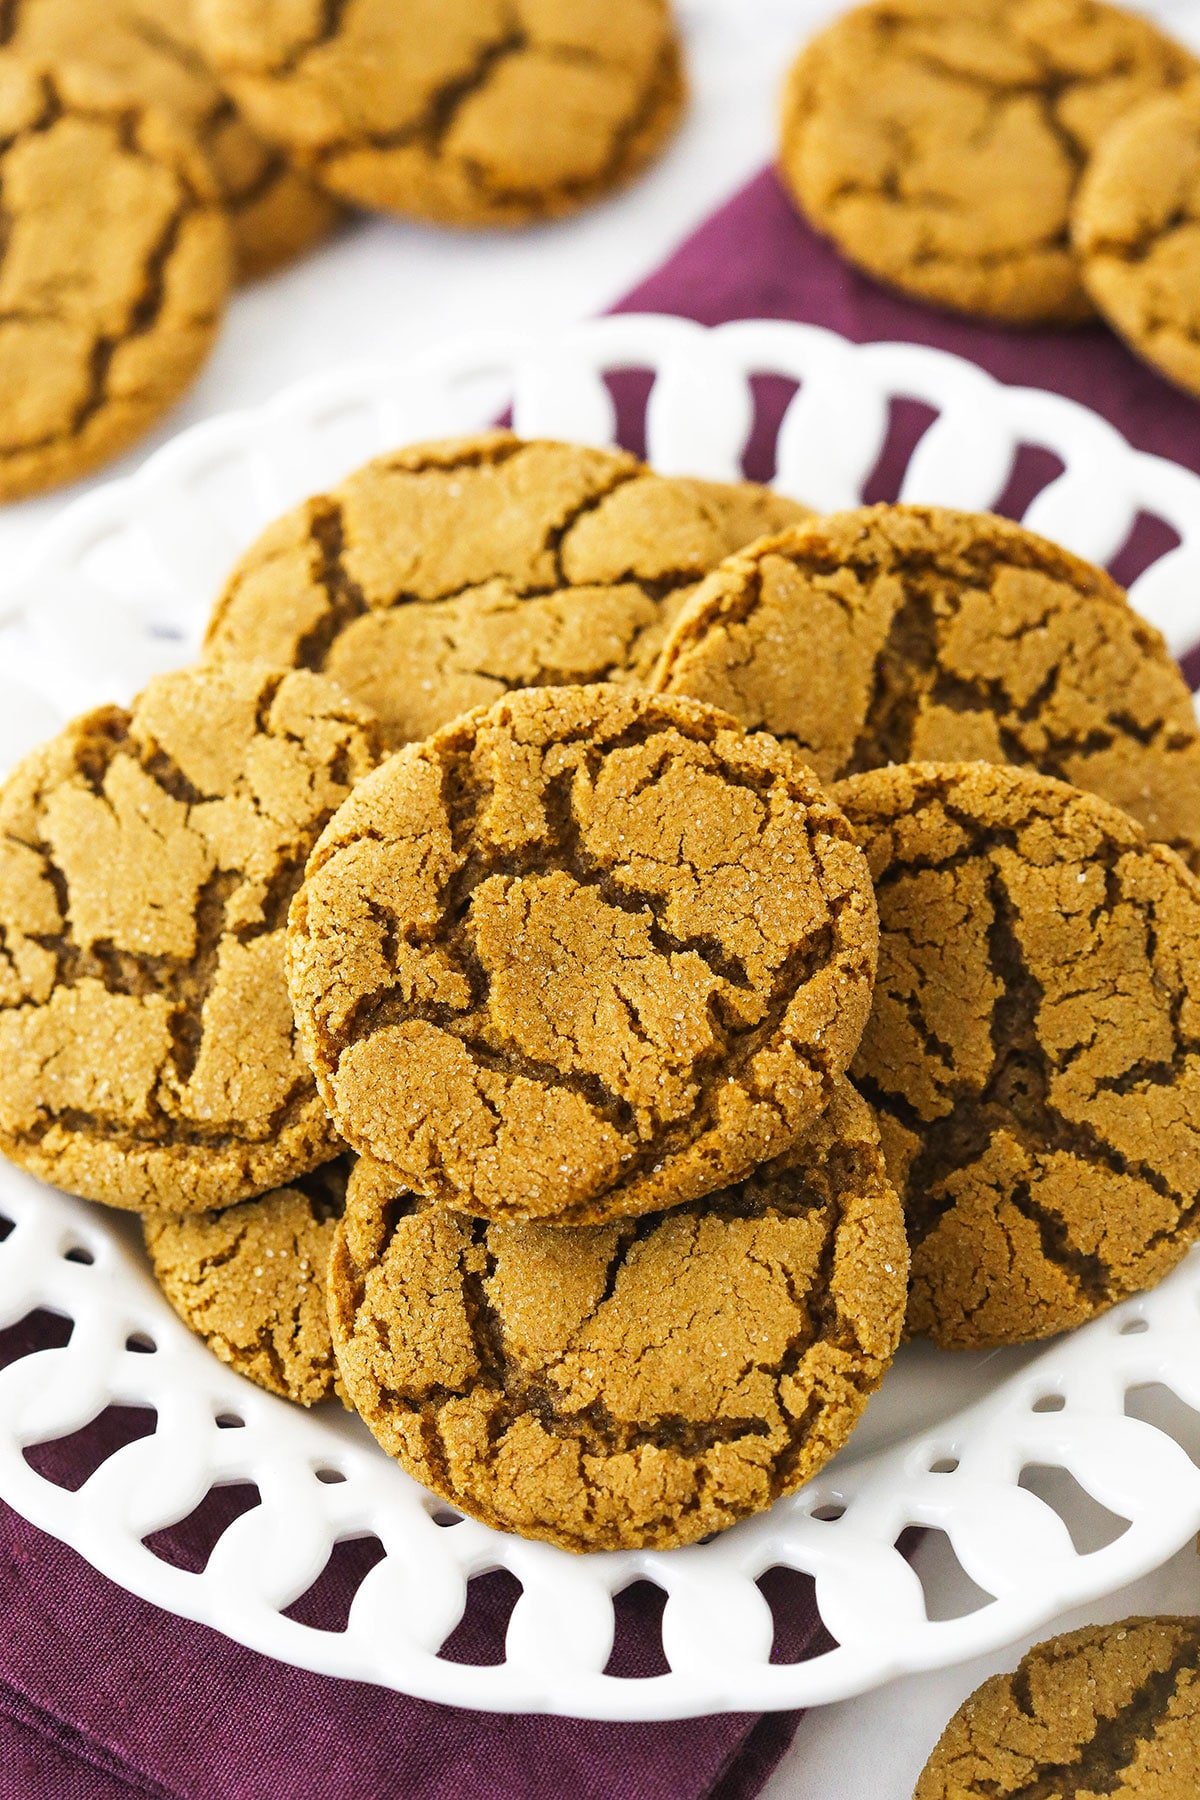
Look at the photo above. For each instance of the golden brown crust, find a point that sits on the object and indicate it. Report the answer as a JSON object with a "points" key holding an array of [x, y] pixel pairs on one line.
{"points": [[940, 142], [114, 273], [536, 1378], [464, 112], [251, 1281], [1033, 1050], [1136, 229], [441, 576], [1110, 1710], [905, 633], [581, 955], [147, 858], [149, 48]]}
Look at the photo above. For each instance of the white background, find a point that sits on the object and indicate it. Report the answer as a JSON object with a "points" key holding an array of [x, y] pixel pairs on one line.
{"points": [[384, 288]]}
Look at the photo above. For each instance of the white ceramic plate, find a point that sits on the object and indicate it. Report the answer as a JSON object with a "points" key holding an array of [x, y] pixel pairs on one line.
{"points": [[1053, 1475]]}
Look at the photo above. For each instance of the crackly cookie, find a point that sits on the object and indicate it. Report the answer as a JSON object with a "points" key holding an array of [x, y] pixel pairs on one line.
{"points": [[535, 1378], [1136, 230], [149, 48], [1033, 1050], [114, 274], [438, 577], [580, 955], [940, 142], [904, 633], [465, 112], [251, 1280], [147, 858], [1110, 1710]]}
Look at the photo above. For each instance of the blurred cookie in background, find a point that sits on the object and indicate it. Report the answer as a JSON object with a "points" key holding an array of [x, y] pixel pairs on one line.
{"points": [[939, 143], [149, 49], [115, 271], [1136, 231], [463, 112]]}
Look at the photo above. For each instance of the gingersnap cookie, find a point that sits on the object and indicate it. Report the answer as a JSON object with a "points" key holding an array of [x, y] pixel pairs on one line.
{"points": [[908, 633], [940, 143], [637, 1383], [114, 275], [464, 112], [147, 858], [1032, 1051], [1109, 1710], [1136, 230], [581, 955], [149, 48], [251, 1280], [439, 577]]}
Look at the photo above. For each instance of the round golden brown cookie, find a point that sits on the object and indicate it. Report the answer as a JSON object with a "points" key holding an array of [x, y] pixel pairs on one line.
{"points": [[903, 633], [465, 112], [1137, 232], [147, 858], [251, 1280], [638, 1383], [1111, 1710], [581, 955], [114, 275], [149, 48], [940, 142], [1033, 1050], [437, 578]]}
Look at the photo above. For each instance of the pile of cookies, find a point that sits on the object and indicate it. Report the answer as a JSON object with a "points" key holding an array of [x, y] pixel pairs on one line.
{"points": [[578, 934], [151, 151], [1030, 161]]}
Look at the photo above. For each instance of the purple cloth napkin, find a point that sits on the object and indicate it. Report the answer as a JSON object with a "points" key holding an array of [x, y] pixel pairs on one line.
{"points": [[102, 1696]]}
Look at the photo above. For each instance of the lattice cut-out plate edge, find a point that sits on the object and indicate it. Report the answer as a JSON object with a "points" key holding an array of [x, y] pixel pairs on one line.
{"points": [[118, 586]]}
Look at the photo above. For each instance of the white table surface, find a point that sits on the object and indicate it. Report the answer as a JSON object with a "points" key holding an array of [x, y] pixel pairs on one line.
{"points": [[385, 288]]}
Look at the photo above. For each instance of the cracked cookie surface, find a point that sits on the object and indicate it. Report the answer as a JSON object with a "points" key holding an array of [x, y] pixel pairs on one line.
{"points": [[464, 112], [955, 181], [1033, 1050], [439, 577], [533, 1377], [113, 273], [1137, 232], [903, 633], [251, 1280], [581, 955], [1109, 1710], [147, 1049], [149, 48]]}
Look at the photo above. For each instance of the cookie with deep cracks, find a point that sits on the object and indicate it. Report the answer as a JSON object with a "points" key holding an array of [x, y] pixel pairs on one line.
{"points": [[1033, 1050], [148, 49], [463, 112], [147, 859], [251, 1280], [440, 576], [1111, 1709], [911, 633], [954, 181], [1136, 230], [534, 1378], [115, 271], [583, 954]]}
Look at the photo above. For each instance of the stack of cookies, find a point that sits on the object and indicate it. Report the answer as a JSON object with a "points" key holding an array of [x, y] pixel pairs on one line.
{"points": [[578, 934], [153, 150], [1029, 161]]}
